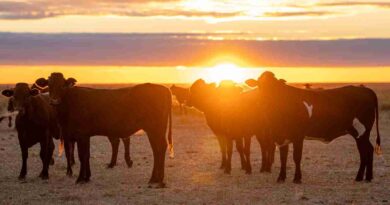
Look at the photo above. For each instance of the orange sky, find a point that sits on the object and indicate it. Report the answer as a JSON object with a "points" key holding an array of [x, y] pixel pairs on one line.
{"points": [[109, 74]]}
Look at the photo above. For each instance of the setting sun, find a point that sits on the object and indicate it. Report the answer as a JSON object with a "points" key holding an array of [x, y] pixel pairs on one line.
{"points": [[229, 71]]}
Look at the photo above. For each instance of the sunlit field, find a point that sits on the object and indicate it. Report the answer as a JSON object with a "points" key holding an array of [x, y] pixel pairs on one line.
{"points": [[194, 177]]}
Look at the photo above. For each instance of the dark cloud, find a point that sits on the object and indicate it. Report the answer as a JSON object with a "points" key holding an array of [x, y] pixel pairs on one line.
{"points": [[184, 49]]}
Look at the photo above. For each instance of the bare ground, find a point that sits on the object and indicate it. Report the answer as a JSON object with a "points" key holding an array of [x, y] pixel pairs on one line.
{"points": [[193, 176]]}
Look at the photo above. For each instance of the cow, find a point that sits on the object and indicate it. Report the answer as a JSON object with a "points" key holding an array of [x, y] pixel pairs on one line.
{"points": [[85, 112], [69, 151], [181, 95], [228, 114], [35, 123], [293, 114]]}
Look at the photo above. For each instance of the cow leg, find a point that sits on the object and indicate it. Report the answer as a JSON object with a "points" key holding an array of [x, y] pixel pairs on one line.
{"points": [[72, 146], [153, 144], [247, 150], [368, 154], [370, 161], [263, 148], [363, 160], [69, 152], [283, 161], [114, 141], [23, 171], [222, 146], [240, 149], [83, 150], [298, 145], [229, 147], [45, 160], [270, 155], [355, 134], [368, 122], [51, 151], [159, 147], [126, 144], [161, 159]]}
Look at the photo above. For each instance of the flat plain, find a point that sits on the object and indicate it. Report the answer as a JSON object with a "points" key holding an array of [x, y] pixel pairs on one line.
{"points": [[194, 177]]}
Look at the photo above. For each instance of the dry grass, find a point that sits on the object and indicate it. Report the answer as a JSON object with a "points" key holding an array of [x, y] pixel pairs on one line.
{"points": [[193, 176]]}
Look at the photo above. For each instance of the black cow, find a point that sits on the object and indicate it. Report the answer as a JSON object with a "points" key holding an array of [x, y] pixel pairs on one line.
{"points": [[35, 123], [293, 114], [182, 95], [119, 113]]}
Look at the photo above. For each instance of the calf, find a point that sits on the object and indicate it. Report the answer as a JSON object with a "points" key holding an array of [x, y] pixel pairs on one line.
{"points": [[35, 123], [293, 114], [119, 113], [182, 95]]}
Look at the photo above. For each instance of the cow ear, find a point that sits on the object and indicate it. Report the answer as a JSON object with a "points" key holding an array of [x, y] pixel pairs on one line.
{"points": [[251, 82], [8, 93], [70, 82], [42, 82], [34, 92]]}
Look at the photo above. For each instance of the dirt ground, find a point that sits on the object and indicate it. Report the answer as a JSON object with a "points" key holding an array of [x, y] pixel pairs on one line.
{"points": [[194, 177]]}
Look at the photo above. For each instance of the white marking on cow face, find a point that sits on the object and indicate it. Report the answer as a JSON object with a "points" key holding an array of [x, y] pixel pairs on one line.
{"points": [[309, 108], [358, 126], [285, 142]]}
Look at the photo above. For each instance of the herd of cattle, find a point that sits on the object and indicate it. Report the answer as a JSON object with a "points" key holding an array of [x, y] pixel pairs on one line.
{"points": [[276, 113]]}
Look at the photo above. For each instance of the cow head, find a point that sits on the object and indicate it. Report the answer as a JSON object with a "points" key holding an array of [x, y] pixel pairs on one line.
{"points": [[200, 92], [21, 96], [57, 85]]}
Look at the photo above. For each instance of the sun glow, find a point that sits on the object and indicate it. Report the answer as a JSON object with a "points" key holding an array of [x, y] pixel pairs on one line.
{"points": [[229, 71]]}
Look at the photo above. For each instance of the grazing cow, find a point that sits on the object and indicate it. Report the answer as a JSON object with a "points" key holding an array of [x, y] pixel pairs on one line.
{"points": [[228, 114], [119, 113], [35, 123], [182, 95], [293, 114]]}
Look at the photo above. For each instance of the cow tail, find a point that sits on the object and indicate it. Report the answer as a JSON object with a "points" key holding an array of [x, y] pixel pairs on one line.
{"points": [[170, 141], [378, 149], [61, 147]]}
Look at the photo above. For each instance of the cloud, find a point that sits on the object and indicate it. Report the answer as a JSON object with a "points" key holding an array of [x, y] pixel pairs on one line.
{"points": [[186, 50], [30, 9], [298, 13], [135, 8], [356, 3]]}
